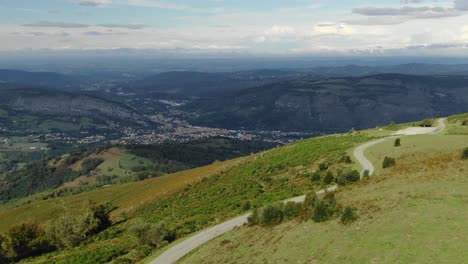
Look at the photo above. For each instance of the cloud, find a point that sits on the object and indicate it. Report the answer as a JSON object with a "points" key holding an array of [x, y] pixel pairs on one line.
{"points": [[408, 11], [461, 5], [126, 26], [42, 34], [94, 3], [48, 24]]}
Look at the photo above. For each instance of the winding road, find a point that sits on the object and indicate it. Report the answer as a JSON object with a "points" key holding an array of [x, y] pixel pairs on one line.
{"points": [[179, 250], [368, 166]]}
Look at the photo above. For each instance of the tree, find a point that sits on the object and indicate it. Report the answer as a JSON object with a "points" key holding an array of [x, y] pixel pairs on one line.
{"points": [[27, 240], [427, 123], [68, 231], [388, 162], [329, 178], [397, 142], [348, 215]]}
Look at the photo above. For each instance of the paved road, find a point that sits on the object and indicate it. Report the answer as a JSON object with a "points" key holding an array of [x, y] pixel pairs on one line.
{"points": [[367, 165], [175, 253]]}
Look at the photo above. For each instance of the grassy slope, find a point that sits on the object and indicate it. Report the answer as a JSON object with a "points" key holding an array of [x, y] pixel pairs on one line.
{"points": [[255, 180], [127, 197], [414, 212]]}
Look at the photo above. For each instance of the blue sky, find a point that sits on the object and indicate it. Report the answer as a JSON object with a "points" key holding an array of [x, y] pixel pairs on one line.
{"points": [[255, 26]]}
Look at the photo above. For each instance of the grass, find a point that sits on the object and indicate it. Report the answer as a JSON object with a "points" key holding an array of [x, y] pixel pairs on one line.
{"points": [[420, 221], [126, 197], [410, 144], [455, 127]]}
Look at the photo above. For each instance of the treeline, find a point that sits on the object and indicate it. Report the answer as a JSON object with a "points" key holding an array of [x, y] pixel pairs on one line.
{"points": [[173, 157], [31, 239], [313, 208]]}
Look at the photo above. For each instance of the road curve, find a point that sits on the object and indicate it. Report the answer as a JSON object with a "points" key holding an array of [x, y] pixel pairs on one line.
{"points": [[367, 165], [178, 251], [175, 253]]}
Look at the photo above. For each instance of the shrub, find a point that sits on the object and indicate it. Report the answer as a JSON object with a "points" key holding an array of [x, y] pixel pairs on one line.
{"points": [[397, 142], [27, 240], [310, 200], [320, 212], [329, 178], [426, 123], [292, 209], [315, 176], [346, 159], [149, 234], [464, 122], [388, 162], [254, 218], [69, 231], [348, 215], [3, 253], [272, 215], [348, 176], [465, 153], [365, 173], [323, 166]]}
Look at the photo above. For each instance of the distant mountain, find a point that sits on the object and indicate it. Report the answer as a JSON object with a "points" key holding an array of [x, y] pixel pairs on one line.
{"points": [[30, 110], [334, 104], [202, 84], [43, 79]]}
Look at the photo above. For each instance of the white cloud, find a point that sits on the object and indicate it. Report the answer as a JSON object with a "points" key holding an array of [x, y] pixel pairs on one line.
{"points": [[94, 3]]}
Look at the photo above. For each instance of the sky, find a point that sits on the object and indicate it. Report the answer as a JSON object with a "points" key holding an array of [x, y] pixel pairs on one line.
{"points": [[335, 27]]}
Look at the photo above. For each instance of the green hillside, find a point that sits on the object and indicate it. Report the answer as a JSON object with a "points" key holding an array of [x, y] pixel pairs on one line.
{"points": [[404, 202], [414, 212]]}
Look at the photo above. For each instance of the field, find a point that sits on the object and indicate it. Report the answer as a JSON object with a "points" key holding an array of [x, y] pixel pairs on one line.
{"points": [[412, 213]]}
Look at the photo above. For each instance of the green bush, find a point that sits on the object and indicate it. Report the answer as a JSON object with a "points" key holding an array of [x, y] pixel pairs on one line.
{"points": [[388, 162], [272, 215], [3, 252], [348, 176], [310, 200], [292, 210], [426, 123], [365, 173], [69, 231], [254, 218], [320, 212], [329, 178], [149, 234], [315, 176], [397, 142], [465, 153], [323, 166], [348, 215], [346, 159]]}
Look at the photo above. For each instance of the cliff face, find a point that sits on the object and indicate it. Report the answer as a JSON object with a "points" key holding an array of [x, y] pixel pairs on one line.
{"points": [[336, 104]]}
